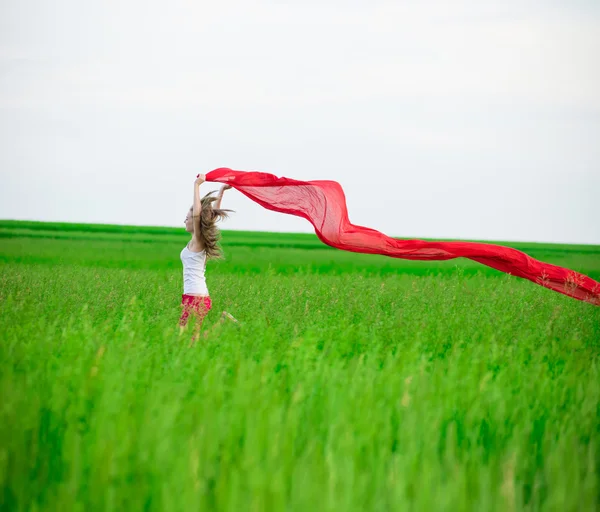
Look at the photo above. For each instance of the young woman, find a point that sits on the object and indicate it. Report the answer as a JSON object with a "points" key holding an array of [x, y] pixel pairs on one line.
{"points": [[201, 223]]}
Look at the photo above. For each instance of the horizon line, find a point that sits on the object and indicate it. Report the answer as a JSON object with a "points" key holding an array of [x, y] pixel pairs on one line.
{"points": [[297, 233]]}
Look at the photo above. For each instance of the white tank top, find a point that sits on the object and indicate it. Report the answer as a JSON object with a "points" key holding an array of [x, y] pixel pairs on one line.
{"points": [[194, 264]]}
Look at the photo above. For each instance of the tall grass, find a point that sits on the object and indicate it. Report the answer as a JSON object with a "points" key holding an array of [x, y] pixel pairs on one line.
{"points": [[351, 388]]}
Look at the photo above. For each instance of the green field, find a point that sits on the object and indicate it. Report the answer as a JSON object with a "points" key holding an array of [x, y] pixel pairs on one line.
{"points": [[354, 383]]}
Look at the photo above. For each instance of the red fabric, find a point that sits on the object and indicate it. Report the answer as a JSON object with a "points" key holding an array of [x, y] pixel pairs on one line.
{"points": [[323, 204], [191, 303]]}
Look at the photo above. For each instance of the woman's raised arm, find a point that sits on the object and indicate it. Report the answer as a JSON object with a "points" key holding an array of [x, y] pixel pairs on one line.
{"points": [[220, 196], [197, 206]]}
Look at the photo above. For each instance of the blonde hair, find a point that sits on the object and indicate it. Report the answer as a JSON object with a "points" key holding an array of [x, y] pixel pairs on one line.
{"points": [[209, 232]]}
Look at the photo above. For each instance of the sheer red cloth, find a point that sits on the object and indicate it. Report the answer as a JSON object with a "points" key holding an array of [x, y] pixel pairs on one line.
{"points": [[323, 204]]}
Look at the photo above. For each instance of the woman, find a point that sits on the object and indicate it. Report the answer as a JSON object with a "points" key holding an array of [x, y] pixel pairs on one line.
{"points": [[201, 223]]}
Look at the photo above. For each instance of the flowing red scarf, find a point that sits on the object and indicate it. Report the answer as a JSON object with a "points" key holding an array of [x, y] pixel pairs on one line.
{"points": [[323, 204]]}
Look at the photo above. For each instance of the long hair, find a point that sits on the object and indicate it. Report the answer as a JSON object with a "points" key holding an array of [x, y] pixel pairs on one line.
{"points": [[209, 232]]}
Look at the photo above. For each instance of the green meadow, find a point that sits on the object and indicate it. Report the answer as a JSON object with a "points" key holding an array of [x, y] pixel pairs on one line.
{"points": [[352, 382]]}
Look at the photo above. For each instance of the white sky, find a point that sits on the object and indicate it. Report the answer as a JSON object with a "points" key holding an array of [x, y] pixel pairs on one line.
{"points": [[442, 119]]}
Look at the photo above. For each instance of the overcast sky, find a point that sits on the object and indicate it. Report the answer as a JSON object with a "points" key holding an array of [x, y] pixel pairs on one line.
{"points": [[442, 119]]}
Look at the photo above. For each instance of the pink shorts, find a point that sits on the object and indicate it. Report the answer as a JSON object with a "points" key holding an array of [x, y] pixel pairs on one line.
{"points": [[192, 304]]}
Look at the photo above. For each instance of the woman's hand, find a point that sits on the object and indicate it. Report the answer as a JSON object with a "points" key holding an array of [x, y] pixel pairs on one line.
{"points": [[201, 178], [225, 187]]}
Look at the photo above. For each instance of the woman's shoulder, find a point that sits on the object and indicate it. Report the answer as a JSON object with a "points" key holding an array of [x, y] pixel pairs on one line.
{"points": [[195, 246]]}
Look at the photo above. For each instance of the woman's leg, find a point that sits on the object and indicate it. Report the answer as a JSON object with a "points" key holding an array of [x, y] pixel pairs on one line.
{"points": [[184, 318], [201, 309], [197, 328]]}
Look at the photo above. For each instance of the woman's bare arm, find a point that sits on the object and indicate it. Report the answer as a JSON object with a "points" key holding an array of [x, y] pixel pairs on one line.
{"points": [[197, 210], [220, 196]]}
